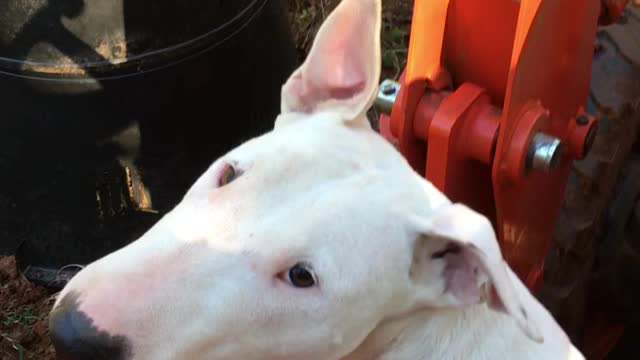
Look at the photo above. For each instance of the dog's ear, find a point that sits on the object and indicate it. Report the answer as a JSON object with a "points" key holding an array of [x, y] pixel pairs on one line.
{"points": [[457, 262], [342, 70]]}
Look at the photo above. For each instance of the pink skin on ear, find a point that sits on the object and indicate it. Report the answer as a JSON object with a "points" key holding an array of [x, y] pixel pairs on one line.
{"points": [[462, 276], [338, 61], [342, 68], [308, 94], [473, 258]]}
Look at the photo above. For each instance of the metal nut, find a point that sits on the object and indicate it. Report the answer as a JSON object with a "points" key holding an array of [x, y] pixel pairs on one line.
{"points": [[387, 93], [582, 120], [545, 153]]}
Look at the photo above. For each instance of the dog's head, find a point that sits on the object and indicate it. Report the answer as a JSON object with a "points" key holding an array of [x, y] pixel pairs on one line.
{"points": [[295, 245]]}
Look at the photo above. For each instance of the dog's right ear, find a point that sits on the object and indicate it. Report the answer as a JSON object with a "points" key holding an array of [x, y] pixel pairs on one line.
{"points": [[457, 262], [342, 70]]}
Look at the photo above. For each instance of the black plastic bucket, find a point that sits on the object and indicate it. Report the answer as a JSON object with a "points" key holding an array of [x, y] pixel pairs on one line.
{"points": [[110, 109]]}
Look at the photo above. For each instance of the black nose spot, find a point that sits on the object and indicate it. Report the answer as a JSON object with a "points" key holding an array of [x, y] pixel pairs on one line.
{"points": [[75, 338]]}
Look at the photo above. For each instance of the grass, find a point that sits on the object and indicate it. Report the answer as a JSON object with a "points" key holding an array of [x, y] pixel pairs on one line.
{"points": [[23, 315], [308, 15], [394, 48], [15, 345]]}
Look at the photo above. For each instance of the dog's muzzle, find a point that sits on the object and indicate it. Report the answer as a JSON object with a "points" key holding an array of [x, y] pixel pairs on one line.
{"points": [[75, 337]]}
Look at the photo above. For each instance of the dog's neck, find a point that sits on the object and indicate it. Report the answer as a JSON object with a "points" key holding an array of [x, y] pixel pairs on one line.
{"points": [[473, 333]]}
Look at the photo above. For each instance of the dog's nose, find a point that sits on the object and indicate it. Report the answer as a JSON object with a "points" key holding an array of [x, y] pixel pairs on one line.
{"points": [[75, 337]]}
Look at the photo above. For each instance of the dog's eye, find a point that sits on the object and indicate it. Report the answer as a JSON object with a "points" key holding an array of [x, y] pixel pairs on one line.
{"points": [[229, 173], [300, 276]]}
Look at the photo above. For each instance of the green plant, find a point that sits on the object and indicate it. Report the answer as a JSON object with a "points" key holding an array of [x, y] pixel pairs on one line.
{"points": [[23, 315], [394, 47], [308, 15], [14, 344]]}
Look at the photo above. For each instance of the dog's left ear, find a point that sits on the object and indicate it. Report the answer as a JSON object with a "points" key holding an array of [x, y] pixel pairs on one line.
{"points": [[457, 262], [342, 70]]}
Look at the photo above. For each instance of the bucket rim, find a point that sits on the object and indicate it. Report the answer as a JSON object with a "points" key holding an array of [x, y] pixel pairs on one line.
{"points": [[135, 65]]}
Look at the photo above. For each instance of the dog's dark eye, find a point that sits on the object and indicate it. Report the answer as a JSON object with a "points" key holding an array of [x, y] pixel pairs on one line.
{"points": [[229, 173], [301, 277]]}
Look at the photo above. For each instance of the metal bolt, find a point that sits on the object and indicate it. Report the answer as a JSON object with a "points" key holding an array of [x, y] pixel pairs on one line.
{"points": [[545, 153], [582, 120], [388, 89], [387, 93]]}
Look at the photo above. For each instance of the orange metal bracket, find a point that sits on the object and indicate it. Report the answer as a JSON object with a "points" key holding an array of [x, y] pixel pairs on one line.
{"points": [[483, 79], [462, 139], [550, 64], [515, 69]]}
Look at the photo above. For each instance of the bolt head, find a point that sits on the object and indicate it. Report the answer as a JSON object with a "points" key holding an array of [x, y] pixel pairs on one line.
{"points": [[556, 157], [582, 120], [389, 89], [545, 153]]}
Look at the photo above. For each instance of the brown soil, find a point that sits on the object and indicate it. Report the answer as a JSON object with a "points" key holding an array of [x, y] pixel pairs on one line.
{"points": [[24, 310]]}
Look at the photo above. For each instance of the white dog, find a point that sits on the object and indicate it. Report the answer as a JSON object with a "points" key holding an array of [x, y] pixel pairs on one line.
{"points": [[314, 241]]}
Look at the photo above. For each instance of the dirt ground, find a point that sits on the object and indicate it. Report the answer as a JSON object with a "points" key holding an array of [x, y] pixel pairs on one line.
{"points": [[24, 310], [24, 307]]}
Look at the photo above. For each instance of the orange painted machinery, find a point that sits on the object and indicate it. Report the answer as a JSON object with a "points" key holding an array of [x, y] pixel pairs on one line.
{"points": [[491, 109]]}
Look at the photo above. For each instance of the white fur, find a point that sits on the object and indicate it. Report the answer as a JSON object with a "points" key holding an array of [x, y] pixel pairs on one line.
{"points": [[207, 281]]}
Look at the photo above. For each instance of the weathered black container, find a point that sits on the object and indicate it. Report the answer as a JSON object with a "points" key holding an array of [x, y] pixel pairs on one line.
{"points": [[110, 109]]}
